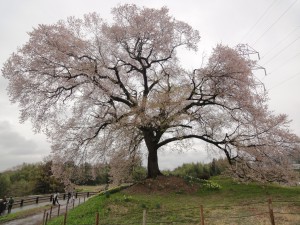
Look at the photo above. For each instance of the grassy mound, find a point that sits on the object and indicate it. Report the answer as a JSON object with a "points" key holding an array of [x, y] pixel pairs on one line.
{"points": [[234, 203], [163, 185]]}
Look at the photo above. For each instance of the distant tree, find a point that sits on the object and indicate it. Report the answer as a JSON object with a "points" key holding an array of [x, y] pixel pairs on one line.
{"points": [[45, 181], [215, 167], [5, 185], [206, 173], [22, 187], [25, 171], [97, 88], [218, 166], [23, 179], [86, 173], [197, 170], [27, 179], [71, 174], [101, 173]]}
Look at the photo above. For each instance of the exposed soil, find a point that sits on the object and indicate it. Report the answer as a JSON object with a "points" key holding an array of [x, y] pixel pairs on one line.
{"points": [[163, 185]]}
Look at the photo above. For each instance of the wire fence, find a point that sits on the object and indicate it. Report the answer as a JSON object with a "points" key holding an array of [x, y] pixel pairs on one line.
{"points": [[58, 210], [259, 212]]}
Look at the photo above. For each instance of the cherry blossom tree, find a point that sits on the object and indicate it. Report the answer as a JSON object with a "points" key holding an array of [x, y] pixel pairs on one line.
{"points": [[100, 89]]}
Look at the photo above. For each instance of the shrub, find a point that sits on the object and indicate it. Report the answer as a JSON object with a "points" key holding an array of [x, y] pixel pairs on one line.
{"points": [[205, 184]]}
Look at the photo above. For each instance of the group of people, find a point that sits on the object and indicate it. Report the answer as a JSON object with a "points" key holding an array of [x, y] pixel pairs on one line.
{"points": [[6, 204]]}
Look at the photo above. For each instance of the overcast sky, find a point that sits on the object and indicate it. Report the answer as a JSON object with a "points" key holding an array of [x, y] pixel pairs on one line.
{"points": [[271, 27]]}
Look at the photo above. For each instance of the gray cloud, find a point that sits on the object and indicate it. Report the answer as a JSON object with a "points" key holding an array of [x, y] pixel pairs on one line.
{"points": [[16, 148], [170, 160], [13, 143]]}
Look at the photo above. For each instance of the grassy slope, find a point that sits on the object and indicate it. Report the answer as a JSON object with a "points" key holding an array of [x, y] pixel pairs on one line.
{"points": [[233, 204]]}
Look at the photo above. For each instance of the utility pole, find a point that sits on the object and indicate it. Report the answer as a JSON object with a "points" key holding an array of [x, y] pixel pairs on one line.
{"points": [[246, 50]]}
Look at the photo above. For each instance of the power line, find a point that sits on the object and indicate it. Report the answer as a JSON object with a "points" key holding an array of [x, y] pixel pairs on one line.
{"points": [[284, 81], [278, 53], [276, 21], [260, 18], [282, 40], [283, 64]]}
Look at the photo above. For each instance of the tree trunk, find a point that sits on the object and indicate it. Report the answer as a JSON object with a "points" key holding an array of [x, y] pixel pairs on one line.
{"points": [[151, 143], [153, 169]]}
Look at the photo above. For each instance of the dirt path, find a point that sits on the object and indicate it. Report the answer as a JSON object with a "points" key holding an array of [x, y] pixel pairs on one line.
{"points": [[37, 219]]}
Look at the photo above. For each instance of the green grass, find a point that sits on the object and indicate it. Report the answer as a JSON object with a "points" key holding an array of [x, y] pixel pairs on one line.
{"points": [[234, 203], [89, 188]]}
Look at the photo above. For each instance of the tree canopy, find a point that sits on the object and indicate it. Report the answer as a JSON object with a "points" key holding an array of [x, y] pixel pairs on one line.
{"points": [[100, 89]]}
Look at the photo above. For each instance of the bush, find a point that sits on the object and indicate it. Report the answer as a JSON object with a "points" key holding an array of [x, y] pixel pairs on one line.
{"points": [[199, 170], [205, 184], [139, 173]]}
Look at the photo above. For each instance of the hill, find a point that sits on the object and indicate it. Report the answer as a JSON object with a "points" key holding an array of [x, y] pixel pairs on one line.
{"points": [[234, 203]]}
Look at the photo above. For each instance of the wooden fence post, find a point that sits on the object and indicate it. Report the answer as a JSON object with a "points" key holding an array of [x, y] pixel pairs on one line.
{"points": [[50, 212], [46, 219], [144, 217], [58, 210], [201, 215], [65, 218], [22, 202], [97, 218], [271, 211], [37, 200]]}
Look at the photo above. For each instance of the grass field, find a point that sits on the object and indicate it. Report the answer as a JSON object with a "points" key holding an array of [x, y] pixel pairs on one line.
{"points": [[86, 188], [234, 203]]}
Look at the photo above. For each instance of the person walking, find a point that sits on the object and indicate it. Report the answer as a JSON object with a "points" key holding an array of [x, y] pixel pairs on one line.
{"points": [[10, 204], [69, 197], [55, 198], [5, 202], [2, 206]]}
